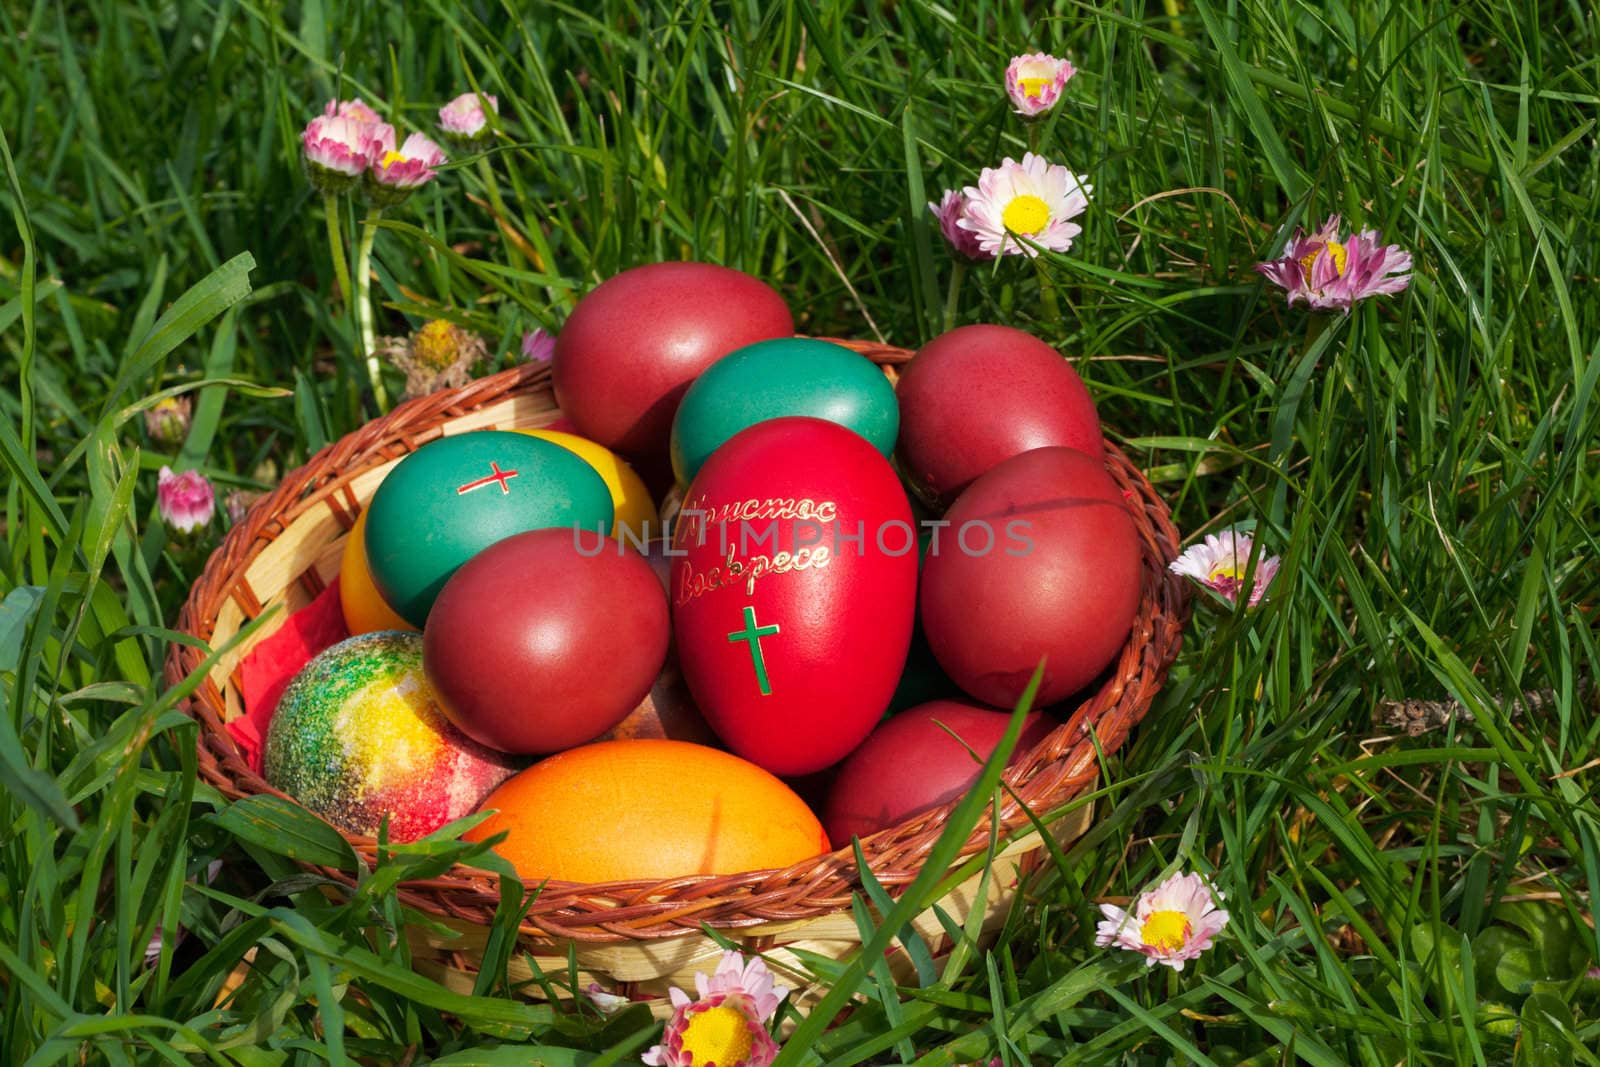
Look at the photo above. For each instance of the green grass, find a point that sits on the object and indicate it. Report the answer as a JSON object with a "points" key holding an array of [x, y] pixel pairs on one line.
{"points": [[1427, 478]]}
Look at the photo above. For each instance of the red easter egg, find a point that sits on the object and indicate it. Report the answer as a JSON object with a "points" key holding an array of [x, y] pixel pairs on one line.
{"points": [[795, 591], [979, 395], [546, 640], [911, 763], [1040, 559], [631, 347]]}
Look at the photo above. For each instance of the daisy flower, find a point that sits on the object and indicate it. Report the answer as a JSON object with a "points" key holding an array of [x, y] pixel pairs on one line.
{"points": [[950, 211], [395, 173], [727, 1025], [1034, 82], [341, 143], [1330, 272], [538, 346], [353, 109], [186, 501], [607, 1003], [464, 119], [1171, 924], [440, 355], [1032, 199], [1219, 564]]}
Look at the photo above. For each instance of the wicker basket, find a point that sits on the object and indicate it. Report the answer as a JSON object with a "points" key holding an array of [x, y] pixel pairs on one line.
{"points": [[641, 937]]}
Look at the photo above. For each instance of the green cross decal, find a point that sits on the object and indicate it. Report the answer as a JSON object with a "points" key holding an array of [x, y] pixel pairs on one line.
{"points": [[753, 634]]}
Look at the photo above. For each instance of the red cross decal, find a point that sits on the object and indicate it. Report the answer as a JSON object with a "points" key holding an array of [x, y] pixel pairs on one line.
{"points": [[499, 477]]}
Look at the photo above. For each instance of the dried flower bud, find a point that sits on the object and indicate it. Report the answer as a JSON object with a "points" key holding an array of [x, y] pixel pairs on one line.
{"points": [[440, 355], [167, 420]]}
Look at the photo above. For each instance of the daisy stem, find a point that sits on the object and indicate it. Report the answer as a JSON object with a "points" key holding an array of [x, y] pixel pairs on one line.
{"points": [[341, 270], [1047, 298], [1316, 324], [953, 295], [1173, 992], [369, 232]]}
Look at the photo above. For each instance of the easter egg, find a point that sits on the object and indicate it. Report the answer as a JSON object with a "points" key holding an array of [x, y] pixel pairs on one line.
{"points": [[647, 809], [911, 763], [631, 347], [546, 639], [794, 597], [668, 710], [630, 499], [357, 736], [456, 496], [1040, 559], [786, 376], [365, 610], [979, 395]]}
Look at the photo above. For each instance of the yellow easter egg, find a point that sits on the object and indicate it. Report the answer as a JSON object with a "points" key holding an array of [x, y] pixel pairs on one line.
{"points": [[365, 610], [629, 497]]}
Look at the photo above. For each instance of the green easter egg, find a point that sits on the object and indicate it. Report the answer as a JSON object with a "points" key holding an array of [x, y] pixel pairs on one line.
{"points": [[456, 496], [771, 379]]}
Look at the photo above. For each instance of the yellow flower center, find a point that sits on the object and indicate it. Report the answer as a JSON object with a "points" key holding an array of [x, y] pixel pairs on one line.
{"points": [[1025, 214], [435, 345], [1033, 87], [719, 1035], [1226, 570], [1332, 248], [391, 158], [1168, 930]]}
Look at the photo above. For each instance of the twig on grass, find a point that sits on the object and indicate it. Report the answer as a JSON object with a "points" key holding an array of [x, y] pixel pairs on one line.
{"points": [[1416, 717]]}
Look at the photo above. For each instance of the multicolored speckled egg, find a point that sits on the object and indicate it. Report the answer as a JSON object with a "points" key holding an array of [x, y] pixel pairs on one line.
{"points": [[358, 735]]}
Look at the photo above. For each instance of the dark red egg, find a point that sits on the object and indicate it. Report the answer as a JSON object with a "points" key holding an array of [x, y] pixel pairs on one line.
{"points": [[911, 763], [632, 346], [1040, 559], [794, 592], [546, 640], [977, 396]]}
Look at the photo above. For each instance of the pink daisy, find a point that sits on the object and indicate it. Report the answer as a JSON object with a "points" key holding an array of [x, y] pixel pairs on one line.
{"points": [[1219, 563], [1033, 199], [1034, 82], [353, 109], [464, 117], [538, 346], [396, 173], [342, 142], [950, 211], [186, 501], [727, 1025], [1331, 273], [1171, 924]]}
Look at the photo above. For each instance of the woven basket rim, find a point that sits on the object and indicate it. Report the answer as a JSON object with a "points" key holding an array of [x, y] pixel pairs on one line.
{"points": [[1056, 771]]}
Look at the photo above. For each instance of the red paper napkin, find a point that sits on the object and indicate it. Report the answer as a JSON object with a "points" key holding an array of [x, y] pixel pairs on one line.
{"points": [[266, 672]]}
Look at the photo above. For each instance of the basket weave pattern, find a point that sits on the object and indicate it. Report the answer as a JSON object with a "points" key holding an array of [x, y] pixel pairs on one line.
{"points": [[287, 549]]}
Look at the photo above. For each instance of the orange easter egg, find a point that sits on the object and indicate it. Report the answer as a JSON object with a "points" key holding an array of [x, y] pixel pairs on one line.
{"points": [[365, 610], [635, 511], [647, 809]]}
